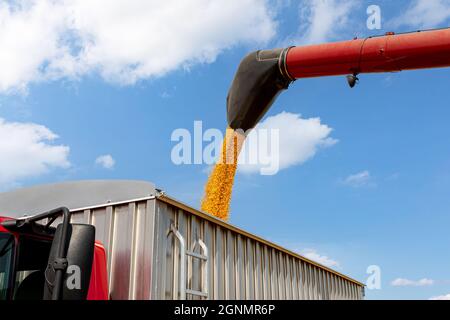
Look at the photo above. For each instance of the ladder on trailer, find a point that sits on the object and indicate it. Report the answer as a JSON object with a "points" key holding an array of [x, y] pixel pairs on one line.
{"points": [[184, 254]]}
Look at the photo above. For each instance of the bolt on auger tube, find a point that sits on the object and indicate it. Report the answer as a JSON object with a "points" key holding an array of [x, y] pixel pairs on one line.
{"points": [[263, 75]]}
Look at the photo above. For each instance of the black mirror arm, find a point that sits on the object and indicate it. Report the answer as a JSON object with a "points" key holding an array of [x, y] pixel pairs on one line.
{"points": [[60, 262]]}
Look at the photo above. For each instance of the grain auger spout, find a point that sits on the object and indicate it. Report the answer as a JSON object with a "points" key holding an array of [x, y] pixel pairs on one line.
{"points": [[263, 75]]}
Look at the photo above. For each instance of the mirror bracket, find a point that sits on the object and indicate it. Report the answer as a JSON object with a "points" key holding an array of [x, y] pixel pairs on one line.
{"points": [[60, 264]]}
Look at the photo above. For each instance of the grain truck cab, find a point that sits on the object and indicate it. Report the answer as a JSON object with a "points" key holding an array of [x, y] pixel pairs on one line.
{"points": [[30, 247], [39, 261]]}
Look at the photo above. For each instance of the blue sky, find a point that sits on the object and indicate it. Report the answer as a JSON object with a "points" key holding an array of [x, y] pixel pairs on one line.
{"points": [[379, 196]]}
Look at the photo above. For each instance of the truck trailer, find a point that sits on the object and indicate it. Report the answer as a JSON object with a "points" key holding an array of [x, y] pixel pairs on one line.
{"points": [[151, 246]]}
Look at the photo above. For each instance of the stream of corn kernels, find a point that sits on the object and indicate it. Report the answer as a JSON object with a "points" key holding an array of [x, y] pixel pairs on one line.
{"points": [[219, 187]]}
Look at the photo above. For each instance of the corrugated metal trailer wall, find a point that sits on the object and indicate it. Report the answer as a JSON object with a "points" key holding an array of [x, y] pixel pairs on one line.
{"points": [[159, 248]]}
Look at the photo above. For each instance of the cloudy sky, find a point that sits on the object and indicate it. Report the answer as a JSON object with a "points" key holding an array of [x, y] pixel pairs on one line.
{"points": [[94, 89]]}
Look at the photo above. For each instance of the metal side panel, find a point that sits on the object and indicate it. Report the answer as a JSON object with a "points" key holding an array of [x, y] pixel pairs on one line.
{"points": [[274, 274], [249, 271], [288, 284], [209, 239], [148, 239], [121, 252], [166, 266], [183, 225], [295, 290], [240, 268], [300, 281], [266, 273], [282, 273], [126, 230], [142, 251], [230, 267], [219, 264], [259, 289]]}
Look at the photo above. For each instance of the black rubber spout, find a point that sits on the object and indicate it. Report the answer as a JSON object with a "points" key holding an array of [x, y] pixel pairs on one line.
{"points": [[261, 77]]}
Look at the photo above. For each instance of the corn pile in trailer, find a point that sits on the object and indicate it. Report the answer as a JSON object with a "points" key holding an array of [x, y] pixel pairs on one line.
{"points": [[160, 248]]}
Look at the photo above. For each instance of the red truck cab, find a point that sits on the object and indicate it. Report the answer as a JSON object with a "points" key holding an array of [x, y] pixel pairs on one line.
{"points": [[28, 266]]}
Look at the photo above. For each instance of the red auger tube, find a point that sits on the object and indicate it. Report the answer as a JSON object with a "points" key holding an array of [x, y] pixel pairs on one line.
{"points": [[389, 53]]}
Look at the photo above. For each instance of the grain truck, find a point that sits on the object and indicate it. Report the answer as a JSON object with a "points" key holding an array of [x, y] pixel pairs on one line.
{"points": [[147, 245], [129, 240]]}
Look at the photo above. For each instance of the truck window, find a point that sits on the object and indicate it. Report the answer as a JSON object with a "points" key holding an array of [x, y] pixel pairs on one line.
{"points": [[6, 252], [32, 261]]}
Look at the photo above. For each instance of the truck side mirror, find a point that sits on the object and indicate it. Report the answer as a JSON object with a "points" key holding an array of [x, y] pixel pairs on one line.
{"points": [[75, 269]]}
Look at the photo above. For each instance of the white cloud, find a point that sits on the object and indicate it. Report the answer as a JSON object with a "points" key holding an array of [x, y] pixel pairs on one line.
{"points": [[30, 42], [424, 14], [358, 180], [122, 40], [299, 141], [323, 20], [26, 150], [443, 297], [323, 260], [400, 282], [106, 161]]}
